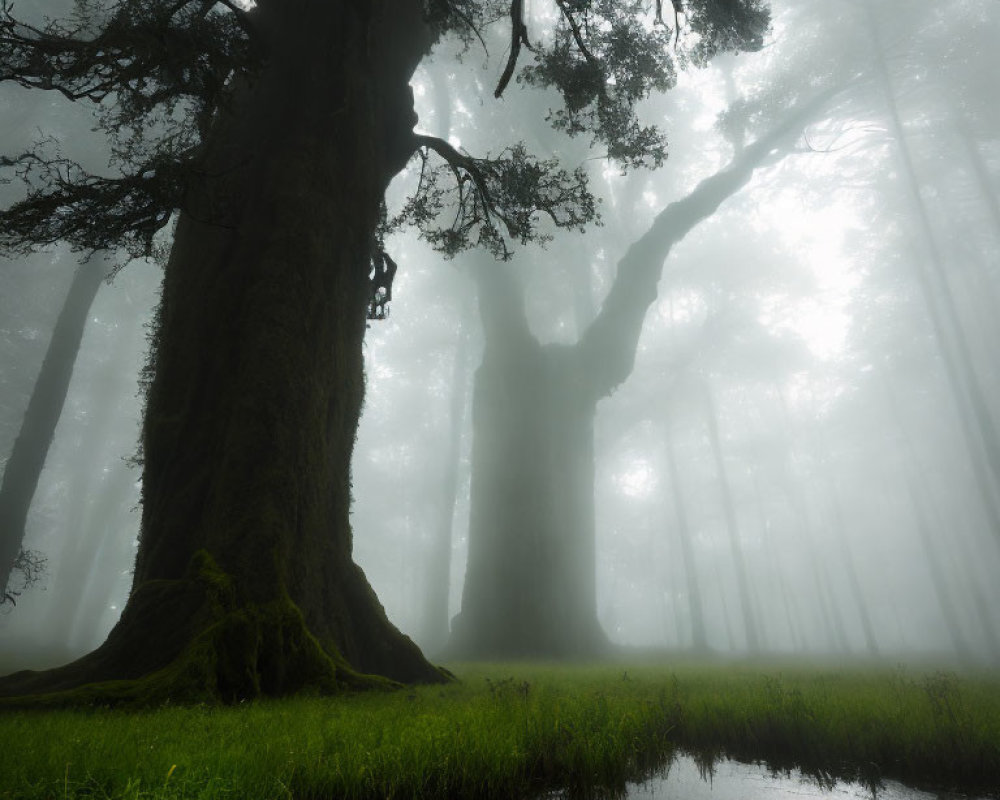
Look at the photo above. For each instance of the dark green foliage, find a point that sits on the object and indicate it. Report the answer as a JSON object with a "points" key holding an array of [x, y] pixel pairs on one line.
{"points": [[485, 201], [465, 18], [156, 73], [67, 203], [169, 67], [736, 26], [603, 61]]}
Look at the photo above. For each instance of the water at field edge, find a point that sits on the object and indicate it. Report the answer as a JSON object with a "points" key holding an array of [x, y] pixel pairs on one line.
{"points": [[735, 781]]}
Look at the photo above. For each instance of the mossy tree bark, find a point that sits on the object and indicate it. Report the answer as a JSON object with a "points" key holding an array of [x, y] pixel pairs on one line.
{"points": [[530, 585], [244, 582]]}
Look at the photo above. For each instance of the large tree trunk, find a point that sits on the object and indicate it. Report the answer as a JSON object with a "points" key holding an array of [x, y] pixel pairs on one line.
{"points": [[530, 583], [244, 582]]}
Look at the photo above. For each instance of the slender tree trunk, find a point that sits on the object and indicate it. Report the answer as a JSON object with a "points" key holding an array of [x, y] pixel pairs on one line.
{"points": [[851, 569], [921, 498], [794, 633], [436, 623], [750, 631], [938, 581], [980, 431], [726, 616], [20, 477], [244, 582], [833, 622], [699, 639], [984, 181]]}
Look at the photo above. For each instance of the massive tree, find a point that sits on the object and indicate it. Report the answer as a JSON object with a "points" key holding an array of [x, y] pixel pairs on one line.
{"points": [[530, 586], [270, 134]]}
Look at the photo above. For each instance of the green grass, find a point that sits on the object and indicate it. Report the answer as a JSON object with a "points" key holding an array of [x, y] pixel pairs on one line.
{"points": [[511, 730]]}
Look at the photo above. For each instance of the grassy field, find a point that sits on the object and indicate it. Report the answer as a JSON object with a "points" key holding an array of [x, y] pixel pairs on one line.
{"points": [[507, 731]]}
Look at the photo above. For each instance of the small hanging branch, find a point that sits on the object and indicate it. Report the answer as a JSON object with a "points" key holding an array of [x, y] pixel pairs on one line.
{"points": [[518, 37]]}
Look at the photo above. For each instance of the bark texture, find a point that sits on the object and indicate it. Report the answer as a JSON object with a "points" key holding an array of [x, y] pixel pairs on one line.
{"points": [[244, 582]]}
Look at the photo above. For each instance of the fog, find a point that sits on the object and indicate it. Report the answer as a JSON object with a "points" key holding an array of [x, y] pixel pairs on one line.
{"points": [[789, 446]]}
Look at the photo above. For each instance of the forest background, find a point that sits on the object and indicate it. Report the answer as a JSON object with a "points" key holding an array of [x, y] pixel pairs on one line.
{"points": [[812, 364]]}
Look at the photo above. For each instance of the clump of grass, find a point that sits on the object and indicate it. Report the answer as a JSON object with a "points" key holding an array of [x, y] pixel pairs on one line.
{"points": [[514, 730]]}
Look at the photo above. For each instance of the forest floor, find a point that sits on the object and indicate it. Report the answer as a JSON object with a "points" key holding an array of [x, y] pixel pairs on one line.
{"points": [[516, 730]]}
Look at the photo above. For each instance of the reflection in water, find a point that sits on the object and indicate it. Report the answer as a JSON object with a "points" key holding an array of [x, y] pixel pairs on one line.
{"points": [[734, 781]]}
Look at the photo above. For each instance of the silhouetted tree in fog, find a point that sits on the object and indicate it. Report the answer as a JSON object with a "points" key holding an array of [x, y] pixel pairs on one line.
{"points": [[298, 114], [20, 476], [530, 582]]}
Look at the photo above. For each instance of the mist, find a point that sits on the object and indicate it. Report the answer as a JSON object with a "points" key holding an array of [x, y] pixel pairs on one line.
{"points": [[753, 413]]}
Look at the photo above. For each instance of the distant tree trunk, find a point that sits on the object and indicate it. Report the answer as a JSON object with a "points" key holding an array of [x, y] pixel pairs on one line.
{"points": [[436, 613], [726, 616], [699, 637], [93, 468], [946, 602], [244, 582], [851, 570], [20, 477], [920, 500], [984, 180], [530, 581], [794, 631], [978, 425], [85, 591], [750, 630], [530, 586], [833, 622]]}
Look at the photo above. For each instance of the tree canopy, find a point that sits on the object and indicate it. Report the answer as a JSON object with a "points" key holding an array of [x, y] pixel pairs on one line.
{"points": [[157, 74]]}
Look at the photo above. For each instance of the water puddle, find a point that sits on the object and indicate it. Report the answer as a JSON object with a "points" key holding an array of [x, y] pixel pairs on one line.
{"points": [[731, 780]]}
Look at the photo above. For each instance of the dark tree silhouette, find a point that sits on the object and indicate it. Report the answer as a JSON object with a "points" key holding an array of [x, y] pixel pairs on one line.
{"points": [[298, 114], [38, 426]]}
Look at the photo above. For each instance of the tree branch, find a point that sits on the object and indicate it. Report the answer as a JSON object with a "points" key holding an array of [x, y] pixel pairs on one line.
{"points": [[609, 343], [518, 36], [577, 34], [459, 161]]}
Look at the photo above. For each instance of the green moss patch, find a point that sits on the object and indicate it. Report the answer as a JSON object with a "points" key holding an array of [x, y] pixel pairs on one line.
{"points": [[214, 647]]}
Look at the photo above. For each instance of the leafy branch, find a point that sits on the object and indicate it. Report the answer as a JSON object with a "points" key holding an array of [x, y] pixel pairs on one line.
{"points": [[493, 200], [91, 212]]}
